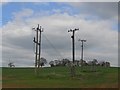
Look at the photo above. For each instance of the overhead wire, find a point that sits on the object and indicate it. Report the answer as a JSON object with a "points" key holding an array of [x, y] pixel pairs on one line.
{"points": [[56, 50]]}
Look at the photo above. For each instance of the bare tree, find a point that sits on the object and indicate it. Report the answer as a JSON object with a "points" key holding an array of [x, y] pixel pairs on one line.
{"points": [[11, 65]]}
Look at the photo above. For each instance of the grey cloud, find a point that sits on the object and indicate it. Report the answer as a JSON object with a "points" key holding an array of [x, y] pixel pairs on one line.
{"points": [[103, 10], [25, 42]]}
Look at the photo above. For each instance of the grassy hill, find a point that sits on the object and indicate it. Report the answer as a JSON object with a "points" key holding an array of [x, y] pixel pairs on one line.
{"points": [[59, 77]]}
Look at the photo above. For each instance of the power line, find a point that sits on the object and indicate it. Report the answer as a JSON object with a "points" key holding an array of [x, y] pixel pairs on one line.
{"points": [[52, 46]]}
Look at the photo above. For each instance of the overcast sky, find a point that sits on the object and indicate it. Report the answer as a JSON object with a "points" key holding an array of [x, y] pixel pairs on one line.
{"points": [[97, 23]]}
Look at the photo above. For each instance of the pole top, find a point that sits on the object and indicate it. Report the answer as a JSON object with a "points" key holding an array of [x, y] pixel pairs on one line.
{"points": [[73, 30], [82, 40]]}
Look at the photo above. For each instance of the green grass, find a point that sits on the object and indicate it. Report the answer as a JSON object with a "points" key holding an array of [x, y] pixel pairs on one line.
{"points": [[59, 77]]}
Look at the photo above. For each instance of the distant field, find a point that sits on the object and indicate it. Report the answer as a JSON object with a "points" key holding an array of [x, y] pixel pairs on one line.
{"points": [[59, 77]]}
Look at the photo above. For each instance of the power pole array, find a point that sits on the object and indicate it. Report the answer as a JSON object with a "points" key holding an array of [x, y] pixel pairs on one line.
{"points": [[73, 51], [37, 41]]}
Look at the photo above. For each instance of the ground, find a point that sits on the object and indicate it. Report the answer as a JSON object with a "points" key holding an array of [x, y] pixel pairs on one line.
{"points": [[59, 77]]}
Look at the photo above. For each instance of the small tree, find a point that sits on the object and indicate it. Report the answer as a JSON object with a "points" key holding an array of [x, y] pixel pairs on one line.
{"points": [[65, 61], [95, 62], [107, 64], [43, 61], [102, 63], [51, 63], [57, 62]]}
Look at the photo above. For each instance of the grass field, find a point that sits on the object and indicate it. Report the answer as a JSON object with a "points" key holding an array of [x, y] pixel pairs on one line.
{"points": [[59, 77]]}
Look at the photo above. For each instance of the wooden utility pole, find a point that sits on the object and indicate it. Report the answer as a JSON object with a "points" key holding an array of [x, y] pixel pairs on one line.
{"points": [[37, 41], [73, 51], [40, 30], [82, 49]]}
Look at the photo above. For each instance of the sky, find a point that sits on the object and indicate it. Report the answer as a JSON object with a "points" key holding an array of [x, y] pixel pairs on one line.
{"points": [[97, 23]]}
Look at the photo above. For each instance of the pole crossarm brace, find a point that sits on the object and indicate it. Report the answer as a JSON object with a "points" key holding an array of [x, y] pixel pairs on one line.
{"points": [[35, 41]]}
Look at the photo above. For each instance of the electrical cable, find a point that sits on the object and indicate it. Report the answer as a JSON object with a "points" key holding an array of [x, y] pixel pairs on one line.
{"points": [[52, 46]]}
